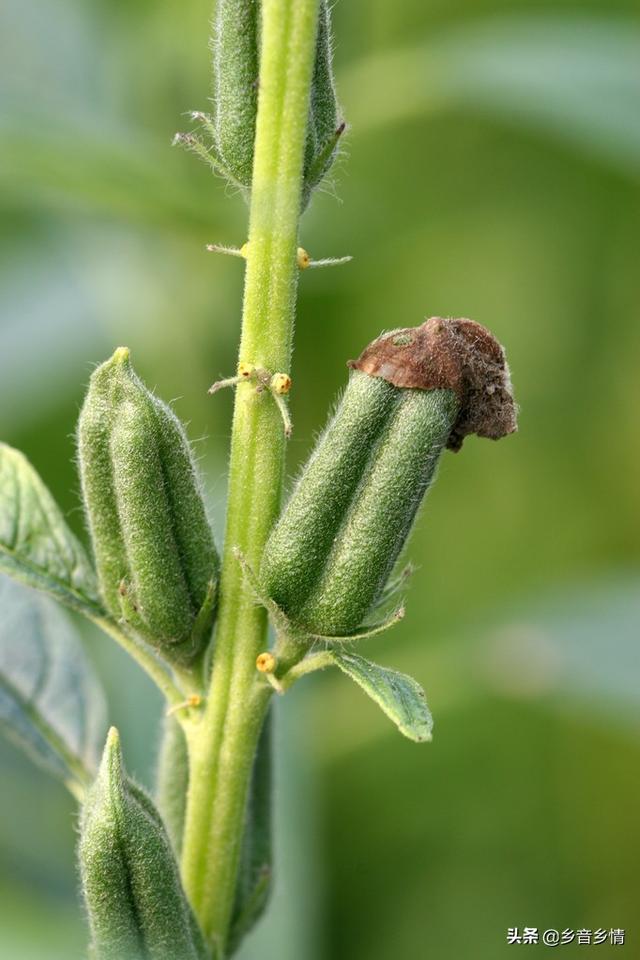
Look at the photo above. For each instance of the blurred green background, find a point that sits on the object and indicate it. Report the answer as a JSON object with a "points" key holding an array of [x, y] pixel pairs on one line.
{"points": [[491, 171]]}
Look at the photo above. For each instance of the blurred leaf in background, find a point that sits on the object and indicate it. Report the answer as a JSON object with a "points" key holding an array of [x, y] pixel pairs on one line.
{"points": [[51, 702], [492, 170]]}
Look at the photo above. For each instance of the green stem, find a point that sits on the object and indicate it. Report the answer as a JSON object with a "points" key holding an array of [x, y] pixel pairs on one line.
{"points": [[144, 657], [222, 745], [317, 661]]}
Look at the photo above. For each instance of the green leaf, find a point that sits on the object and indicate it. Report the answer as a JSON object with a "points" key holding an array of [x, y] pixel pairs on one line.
{"points": [[51, 703], [254, 880], [36, 545], [399, 696]]}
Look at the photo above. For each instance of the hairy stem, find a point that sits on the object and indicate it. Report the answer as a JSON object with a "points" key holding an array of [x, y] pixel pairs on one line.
{"points": [[317, 661], [145, 657], [222, 745]]}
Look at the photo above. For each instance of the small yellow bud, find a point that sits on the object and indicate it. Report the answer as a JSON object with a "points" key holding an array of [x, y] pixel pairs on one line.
{"points": [[245, 370], [302, 258], [266, 662], [244, 250], [281, 383]]}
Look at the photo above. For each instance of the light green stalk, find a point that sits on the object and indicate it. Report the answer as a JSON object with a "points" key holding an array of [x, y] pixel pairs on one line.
{"points": [[222, 745]]}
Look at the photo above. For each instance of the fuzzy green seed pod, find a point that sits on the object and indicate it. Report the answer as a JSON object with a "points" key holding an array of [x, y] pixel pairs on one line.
{"points": [[235, 47], [324, 128], [411, 393], [235, 71], [155, 556], [135, 903], [324, 105]]}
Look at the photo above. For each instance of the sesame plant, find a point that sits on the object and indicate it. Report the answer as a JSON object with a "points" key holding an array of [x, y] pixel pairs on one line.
{"points": [[185, 873]]}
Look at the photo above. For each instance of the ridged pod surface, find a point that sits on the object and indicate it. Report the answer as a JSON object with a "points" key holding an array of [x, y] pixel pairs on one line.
{"points": [[412, 393], [154, 550], [135, 903], [235, 48], [324, 125]]}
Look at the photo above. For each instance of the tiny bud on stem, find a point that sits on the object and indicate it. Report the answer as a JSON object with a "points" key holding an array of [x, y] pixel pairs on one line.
{"points": [[266, 662], [281, 383]]}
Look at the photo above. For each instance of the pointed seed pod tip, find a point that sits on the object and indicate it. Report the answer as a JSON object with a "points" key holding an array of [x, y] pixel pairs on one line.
{"points": [[121, 355], [135, 903]]}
